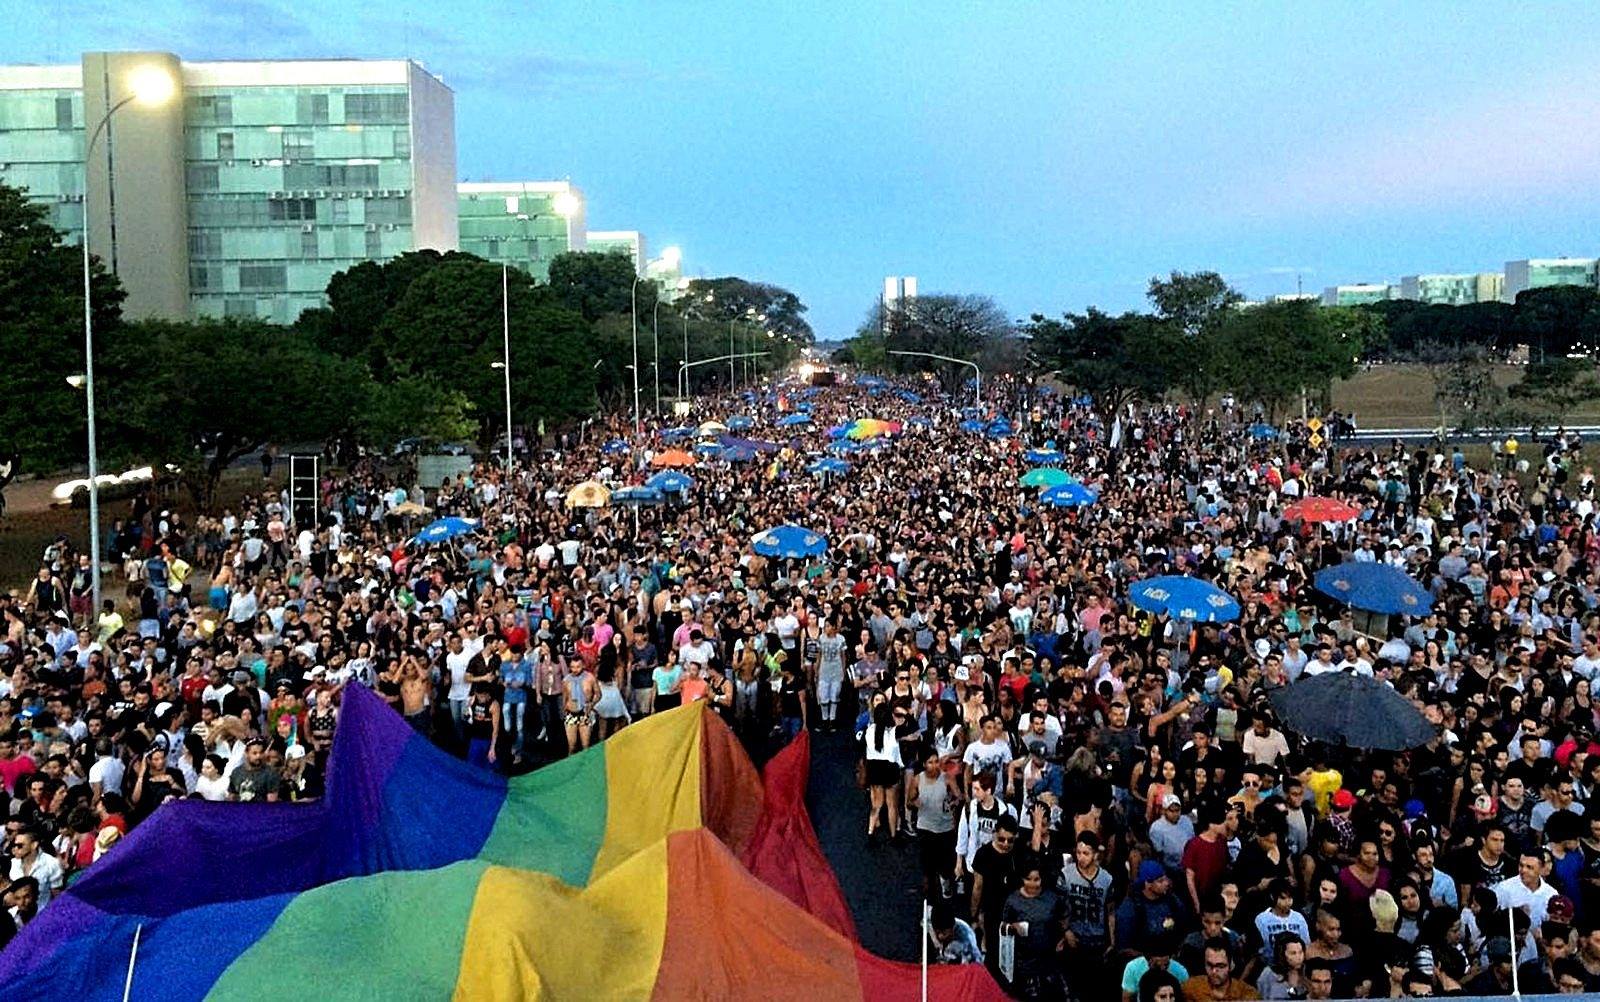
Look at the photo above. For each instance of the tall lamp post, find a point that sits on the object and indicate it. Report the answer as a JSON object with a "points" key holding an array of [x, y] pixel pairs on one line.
{"points": [[505, 364], [977, 378], [151, 86]]}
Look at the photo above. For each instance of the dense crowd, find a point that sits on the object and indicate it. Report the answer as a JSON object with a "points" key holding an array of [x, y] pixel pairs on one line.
{"points": [[1102, 799]]}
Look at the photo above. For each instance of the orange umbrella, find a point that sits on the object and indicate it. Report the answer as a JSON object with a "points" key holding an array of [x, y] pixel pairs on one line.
{"points": [[672, 458], [1315, 509]]}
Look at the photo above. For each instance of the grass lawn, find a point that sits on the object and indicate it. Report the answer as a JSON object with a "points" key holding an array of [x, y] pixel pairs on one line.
{"points": [[1401, 396]]}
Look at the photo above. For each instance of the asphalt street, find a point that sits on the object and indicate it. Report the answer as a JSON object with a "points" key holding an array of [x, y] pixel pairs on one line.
{"points": [[881, 882]]}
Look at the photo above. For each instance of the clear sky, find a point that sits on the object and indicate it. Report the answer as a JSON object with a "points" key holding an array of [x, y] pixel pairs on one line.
{"points": [[1053, 155]]}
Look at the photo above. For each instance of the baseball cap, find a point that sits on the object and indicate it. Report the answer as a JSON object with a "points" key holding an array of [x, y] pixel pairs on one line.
{"points": [[1171, 800], [1150, 871], [1036, 748]]}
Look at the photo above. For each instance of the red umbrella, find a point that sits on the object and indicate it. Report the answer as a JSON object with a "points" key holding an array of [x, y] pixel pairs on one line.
{"points": [[1315, 509]]}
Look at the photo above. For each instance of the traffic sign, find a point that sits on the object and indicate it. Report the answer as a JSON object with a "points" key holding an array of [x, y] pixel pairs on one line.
{"points": [[1315, 424], [1316, 440]]}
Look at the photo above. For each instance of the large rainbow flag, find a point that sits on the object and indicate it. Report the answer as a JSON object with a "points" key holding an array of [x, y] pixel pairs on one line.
{"points": [[656, 865]]}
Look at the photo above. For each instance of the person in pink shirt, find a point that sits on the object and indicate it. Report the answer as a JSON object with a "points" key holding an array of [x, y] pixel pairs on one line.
{"points": [[13, 763]]}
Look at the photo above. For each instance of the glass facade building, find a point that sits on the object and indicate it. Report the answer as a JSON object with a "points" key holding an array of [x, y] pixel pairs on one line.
{"points": [[1453, 289], [1357, 295], [269, 177], [521, 223], [629, 242], [1539, 273]]}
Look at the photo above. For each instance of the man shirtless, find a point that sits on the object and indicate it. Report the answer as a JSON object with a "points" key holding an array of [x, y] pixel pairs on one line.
{"points": [[414, 692]]}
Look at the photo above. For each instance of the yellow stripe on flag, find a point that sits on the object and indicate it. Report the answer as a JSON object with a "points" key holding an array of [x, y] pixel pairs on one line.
{"points": [[531, 936], [653, 773]]}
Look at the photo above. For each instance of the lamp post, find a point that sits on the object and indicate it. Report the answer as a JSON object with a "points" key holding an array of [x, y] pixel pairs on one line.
{"points": [[633, 295], [977, 380], [152, 87], [505, 364]]}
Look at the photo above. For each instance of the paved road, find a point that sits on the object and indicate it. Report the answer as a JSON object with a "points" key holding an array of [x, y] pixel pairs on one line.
{"points": [[880, 881]]}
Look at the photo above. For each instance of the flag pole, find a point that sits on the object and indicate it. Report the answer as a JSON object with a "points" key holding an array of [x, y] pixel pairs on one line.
{"points": [[925, 932], [133, 957], [1516, 951]]}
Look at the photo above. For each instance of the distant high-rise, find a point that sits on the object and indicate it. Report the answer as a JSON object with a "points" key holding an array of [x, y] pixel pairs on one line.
{"points": [[247, 190], [1357, 295], [629, 242], [898, 291], [1452, 289]]}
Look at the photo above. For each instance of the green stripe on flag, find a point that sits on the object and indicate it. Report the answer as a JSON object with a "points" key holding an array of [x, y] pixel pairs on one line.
{"points": [[553, 820]]}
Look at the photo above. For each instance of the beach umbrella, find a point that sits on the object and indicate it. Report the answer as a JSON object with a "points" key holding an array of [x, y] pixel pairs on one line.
{"points": [[790, 542], [738, 454], [672, 458], [1067, 496], [1262, 430], [1045, 476], [445, 529], [671, 434], [409, 508], [708, 447], [999, 428], [839, 430], [872, 428], [920, 422], [973, 425], [1315, 509], [1184, 598], [614, 446], [671, 481], [829, 464], [739, 423], [637, 496], [794, 420], [1043, 457], [869, 381], [1357, 711], [909, 396], [1374, 587], [711, 428], [753, 444], [589, 494]]}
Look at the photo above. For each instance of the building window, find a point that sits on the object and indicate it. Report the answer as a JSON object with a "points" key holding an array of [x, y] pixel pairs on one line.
{"points": [[308, 245], [491, 247], [388, 210], [374, 244], [205, 243], [292, 210], [224, 146], [203, 177], [213, 110], [199, 279], [239, 309], [311, 109], [263, 278], [375, 108], [63, 112]]}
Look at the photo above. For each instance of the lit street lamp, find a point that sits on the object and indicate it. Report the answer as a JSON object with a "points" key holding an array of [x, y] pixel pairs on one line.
{"points": [[151, 86]]}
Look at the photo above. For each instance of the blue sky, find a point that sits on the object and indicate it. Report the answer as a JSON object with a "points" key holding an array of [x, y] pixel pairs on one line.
{"points": [[1052, 155]]}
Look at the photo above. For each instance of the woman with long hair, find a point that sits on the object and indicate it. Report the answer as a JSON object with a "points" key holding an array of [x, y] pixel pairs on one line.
{"points": [[884, 765], [1284, 978]]}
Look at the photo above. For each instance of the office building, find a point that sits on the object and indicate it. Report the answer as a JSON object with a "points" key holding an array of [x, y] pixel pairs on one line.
{"points": [[521, 223], [1452, 289], [629, 242], [250, 187], [1358, 295], [666, 271], [1538, 273]]}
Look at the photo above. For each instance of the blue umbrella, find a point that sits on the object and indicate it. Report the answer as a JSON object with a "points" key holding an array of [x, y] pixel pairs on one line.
{"points": [[738, 454], [1358, 711], [739, 422], [790, 542], [1067, 496], [710, 448], [869, 381], [753, 444], [675, 433], [972, 412], [793, 420], [670, 482], [1182, 598], [829, 464], [1263, 430], [446, 528], [972, 425], [637, 495], [840, 430], [1043, 457], [998, 429], [919, 422], [1374, 587], [614, 446], [909, 396]]}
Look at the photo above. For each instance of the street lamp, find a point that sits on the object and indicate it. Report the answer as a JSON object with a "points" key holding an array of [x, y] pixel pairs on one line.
{"points": [[633, 295], [151, 86]]}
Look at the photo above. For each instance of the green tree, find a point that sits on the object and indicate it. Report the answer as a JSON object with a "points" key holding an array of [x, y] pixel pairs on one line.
{"points": [[732, 298], [412, 407], [593, 284], [1558, 385], [1194, 301], [958, 326], [1114, 359], [1272, 352], [201, 395], [41, 335], [1557, 320], [358, 300]]}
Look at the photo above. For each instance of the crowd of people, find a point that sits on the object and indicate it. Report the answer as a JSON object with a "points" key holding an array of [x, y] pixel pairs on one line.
{"points": [[1102, 800]]}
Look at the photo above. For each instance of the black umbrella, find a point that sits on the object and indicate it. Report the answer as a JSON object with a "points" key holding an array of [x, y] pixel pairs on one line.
{"points": [[1344, 708]]}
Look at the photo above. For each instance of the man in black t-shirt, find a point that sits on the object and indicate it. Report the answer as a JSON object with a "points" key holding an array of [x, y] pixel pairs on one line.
{"points": [[996, 872]]}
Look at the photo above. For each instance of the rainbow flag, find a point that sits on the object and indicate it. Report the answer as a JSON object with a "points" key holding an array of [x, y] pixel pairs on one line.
{"points": [[624, 872]]}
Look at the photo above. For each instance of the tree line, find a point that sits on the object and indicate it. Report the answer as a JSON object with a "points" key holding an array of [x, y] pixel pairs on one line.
{"points": [[405, 349], [1198, 338]]}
